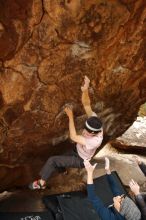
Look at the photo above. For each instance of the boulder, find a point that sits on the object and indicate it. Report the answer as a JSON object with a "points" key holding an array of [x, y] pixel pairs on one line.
{"points": [[46, 48], [133, 140]]}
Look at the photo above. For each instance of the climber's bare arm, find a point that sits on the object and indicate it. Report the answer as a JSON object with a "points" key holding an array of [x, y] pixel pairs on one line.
{"points": [[72, 130], [85, 97]]}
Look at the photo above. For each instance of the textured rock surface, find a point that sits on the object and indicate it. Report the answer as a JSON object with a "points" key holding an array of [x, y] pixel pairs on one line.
{"points": [[142, 110], [46, 47], [122, 163], [133, 140]]}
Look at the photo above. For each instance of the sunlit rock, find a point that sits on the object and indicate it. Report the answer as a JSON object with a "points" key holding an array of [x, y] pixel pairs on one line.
{"points": [[133, 140]]}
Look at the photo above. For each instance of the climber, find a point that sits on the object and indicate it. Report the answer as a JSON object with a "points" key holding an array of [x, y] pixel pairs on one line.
{"points": [[123, 208], [86, 144]]}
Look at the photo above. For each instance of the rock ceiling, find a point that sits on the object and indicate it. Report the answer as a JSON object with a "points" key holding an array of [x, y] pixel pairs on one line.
{"points": [[46, 47]]}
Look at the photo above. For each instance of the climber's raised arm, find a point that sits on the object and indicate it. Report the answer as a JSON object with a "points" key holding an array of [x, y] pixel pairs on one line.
{"points": [[86, 99]]}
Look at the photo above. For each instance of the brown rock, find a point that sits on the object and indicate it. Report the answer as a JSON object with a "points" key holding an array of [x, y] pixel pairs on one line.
{"points": [[46, 47]]}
